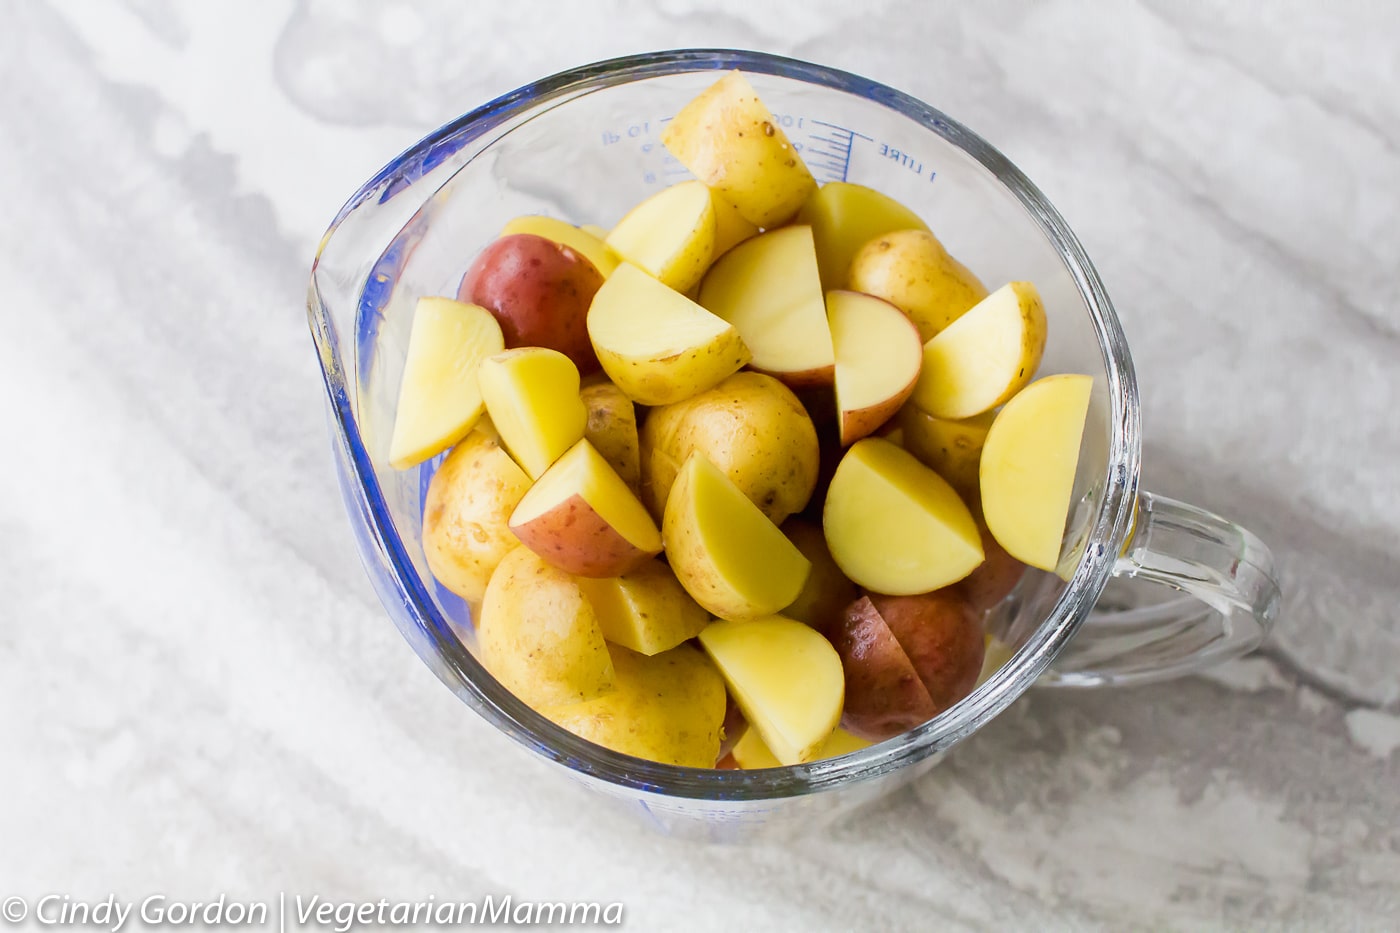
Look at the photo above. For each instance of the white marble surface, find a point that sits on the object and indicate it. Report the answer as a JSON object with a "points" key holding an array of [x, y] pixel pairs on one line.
{"points": [[199, 692]]}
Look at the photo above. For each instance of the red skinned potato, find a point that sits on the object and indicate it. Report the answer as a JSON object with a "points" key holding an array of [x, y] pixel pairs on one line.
{"points": [[539, 291], [884, 694], [994, 578], [943, 638]]}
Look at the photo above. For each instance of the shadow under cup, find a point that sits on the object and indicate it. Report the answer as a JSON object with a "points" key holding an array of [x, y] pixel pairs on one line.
{"points": [[584, 146]]}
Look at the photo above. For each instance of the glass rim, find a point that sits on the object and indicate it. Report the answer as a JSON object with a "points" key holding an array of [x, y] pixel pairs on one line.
{"points": [[1108, 528]]}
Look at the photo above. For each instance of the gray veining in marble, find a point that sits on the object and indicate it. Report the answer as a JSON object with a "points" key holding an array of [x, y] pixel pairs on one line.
{"points": [[199, 691]]}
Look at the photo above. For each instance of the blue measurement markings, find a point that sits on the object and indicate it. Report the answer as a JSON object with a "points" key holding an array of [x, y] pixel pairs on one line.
{"points": [[828, 152]]}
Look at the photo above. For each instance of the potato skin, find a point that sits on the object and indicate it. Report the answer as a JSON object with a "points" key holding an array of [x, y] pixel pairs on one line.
{"points": [[752, 427], [539, 637], [612, 430], [994, 578], [668, 708], [943, 638], [729, 140], [466, 514], [911, 270], [576, 539], [539, 291], [826, 594], [884, 694]]}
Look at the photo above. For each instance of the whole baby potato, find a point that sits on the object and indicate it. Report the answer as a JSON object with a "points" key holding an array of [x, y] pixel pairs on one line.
{"points": [[752, 427], [912, 271], [539, 291], [668, 707], [538, 635], [467, 511]]}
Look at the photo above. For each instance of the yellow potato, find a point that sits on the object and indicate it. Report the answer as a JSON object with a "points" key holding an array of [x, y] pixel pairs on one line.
{"points": [[467, 511], [878, 358], [751, 754], [768, 288], [532, 396], [646, 609], [612, 430], [665, 708], [657, 345], [729, 140], [844, 217], [670, 235], [1028, 466], [728, 556], [911, 270], [439, 401], [894, 526], [582, 240], [786, 678], [827, 592], [984, 357], [731, 228], [752, 427], [952, 449], [539, 636]]}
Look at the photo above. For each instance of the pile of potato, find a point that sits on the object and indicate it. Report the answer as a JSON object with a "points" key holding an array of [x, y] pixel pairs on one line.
{"points": [[760, 457]]}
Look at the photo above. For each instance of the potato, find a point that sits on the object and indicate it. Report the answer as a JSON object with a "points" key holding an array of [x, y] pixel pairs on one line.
{"points": [[984, 357], [439, 401], [911, 270], [645, 609], [539, 291], [734, 729], [532, 396], [538, 634], [731, 228], [884, 693], [844, 217], [994, 578], [769, 289], [466, 514], [894, 525], [729, 140], [657, 345], [752, 427], [785, 677], [612, 430], [952, 449], [728, 556], [667, 708], [827, 592], [587, 241], [1028, 467], [878, 356], [941, 636], [582, 518], [670, 235], [750, 753]]}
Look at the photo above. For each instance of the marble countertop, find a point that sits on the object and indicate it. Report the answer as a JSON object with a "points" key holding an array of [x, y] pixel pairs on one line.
{"points": [[199, 691]]}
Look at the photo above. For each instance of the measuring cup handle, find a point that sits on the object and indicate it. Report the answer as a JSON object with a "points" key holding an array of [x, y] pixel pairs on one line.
{"points": [[1231, 596]]}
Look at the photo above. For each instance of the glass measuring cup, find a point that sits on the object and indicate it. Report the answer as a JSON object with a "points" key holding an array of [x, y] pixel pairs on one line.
{"points": [[582, 145]]}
